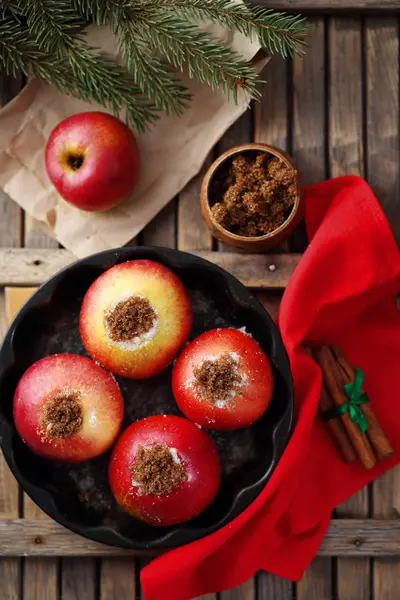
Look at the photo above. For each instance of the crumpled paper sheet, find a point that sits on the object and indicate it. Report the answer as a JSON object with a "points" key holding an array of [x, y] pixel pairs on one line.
{"points": [[172, 152]]}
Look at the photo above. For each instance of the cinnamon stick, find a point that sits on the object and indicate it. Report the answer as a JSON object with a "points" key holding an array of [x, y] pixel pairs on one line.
{"points": [[335, 426], [375, 433], [334, 382]]}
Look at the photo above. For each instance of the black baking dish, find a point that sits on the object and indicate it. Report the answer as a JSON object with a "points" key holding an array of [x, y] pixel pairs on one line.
{"points": [[78, 496]]}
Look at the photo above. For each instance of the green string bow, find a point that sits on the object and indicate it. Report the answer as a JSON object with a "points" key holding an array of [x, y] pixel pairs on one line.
{"points": [[356, 397]]}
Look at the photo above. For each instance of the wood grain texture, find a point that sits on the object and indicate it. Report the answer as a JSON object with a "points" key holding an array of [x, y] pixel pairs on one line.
{"points": [[78, 579], [316, 581], [309, 106], [161, 231], [118, 579], [270, 587], [271, 113], [10, 235], [382, 52], [382, 48], [241, 132], [39, 537], [332, 5], [10, 213], [192, 231], [309, 152], [271, 117], [346, 157], [10, 568], [258, 271], [246, 591], [40, 575], [309, 116]]}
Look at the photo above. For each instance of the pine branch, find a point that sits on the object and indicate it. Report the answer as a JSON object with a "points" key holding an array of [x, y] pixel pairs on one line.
{"points": [[278, 33], [206, 59], [152, 75], [16, 49], [105, 12], [55, 25], [79, 72], [47, 38]]}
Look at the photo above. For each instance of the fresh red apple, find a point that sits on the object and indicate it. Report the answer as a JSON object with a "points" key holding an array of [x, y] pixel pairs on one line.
{"points": [[164, 470], [67, 408], [93, 160], [223, 380], [135, 317]]}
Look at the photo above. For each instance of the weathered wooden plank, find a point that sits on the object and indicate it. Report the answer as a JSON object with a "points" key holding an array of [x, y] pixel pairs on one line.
{"points": [[270, 587], [382, 51], [10, 213], [259, 271], [40, 575], [309, 152], [309, 117], [309, 107], [79, 579], [271, 123], [10, 235], [239, 133], [10, 568], [271, 113], [318, 6], [316, 582], [344, 537], [246, 591], [118, 579], [161, 231], [382, 47], [346, 157], [192, 231]]}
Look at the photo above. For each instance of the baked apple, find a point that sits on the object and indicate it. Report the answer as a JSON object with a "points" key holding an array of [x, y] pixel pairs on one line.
{"points": [[164, 470], [135, 317], [223, 380], [67, 408]]}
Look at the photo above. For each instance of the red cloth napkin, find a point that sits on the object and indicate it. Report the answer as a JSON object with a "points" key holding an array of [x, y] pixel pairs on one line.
{"points": [[343, 291]]}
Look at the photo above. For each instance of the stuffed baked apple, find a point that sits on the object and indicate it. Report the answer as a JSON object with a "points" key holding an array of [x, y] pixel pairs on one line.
{"points": [[135, 317], [223, 380], [164, 470], [67, 408]]}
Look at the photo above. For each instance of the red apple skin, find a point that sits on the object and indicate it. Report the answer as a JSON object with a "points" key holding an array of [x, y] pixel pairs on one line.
{"points": [[243, 409], [166, 293], [109, 158], [199, 456], [101, 401]]}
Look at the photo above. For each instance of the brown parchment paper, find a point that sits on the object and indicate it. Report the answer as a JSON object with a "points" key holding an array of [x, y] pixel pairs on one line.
{"points": [[172, 152]]}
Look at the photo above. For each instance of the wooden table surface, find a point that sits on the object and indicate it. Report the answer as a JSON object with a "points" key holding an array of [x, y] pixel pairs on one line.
{"points": [[336, 111]]}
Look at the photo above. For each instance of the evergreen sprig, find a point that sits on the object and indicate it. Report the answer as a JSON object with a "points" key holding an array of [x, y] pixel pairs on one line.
{"points": [[46, 38]]}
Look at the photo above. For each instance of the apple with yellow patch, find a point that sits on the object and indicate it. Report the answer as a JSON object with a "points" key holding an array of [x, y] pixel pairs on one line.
{"points": [[92, 159]]}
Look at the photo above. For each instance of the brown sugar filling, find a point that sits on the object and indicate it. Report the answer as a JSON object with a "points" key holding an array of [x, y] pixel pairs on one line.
{"points": [[130, 318], [215, 380], [62, 416], [254, 196], [156, 470]]}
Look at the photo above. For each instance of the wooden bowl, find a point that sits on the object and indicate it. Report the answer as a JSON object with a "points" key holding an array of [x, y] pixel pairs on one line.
{"points": [[263, 242]]}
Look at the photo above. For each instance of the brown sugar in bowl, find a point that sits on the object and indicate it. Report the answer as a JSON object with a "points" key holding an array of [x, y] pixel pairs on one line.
{"points": [[257, 243]]}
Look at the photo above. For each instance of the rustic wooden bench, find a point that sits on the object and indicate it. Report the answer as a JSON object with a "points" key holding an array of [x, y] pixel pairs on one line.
{"points": [[336, 111]]}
